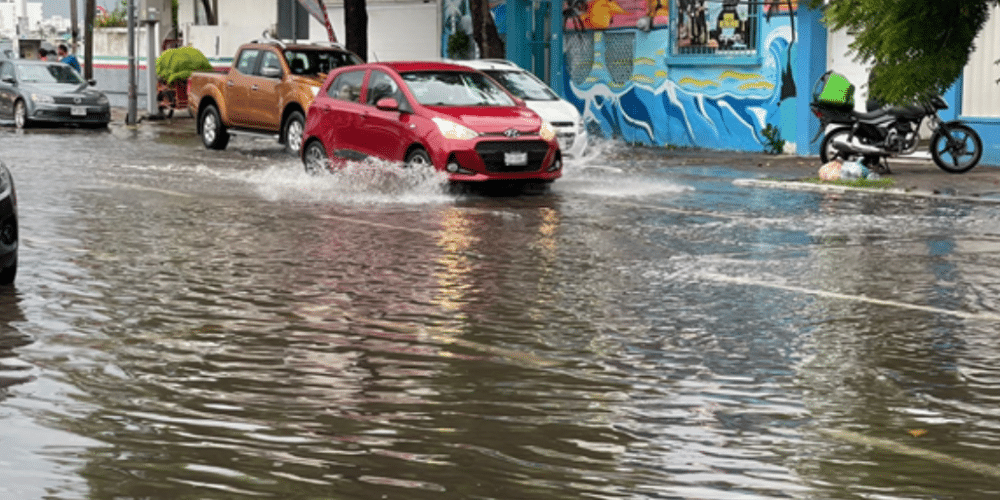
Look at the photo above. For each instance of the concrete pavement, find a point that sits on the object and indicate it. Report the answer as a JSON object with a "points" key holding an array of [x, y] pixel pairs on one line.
{"points": [[912, 176]]}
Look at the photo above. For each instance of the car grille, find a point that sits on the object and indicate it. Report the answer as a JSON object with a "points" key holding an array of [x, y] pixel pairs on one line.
{"points": [[70, 100], [492, 154]]}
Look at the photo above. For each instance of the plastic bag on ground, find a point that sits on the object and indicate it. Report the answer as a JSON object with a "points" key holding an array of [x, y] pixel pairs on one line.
{"points": [[853, 170], [830, 171]]}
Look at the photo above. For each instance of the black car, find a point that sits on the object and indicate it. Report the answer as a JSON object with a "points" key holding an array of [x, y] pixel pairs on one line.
{"points": [[48, 91], [8, 227]]}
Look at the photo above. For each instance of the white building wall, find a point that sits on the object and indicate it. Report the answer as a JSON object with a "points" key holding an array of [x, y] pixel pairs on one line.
{"points": [[396, 31], [980, 91], [840, 59]]}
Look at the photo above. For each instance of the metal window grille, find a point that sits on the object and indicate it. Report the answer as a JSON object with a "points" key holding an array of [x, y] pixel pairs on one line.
{"points": [[579, 47], [619, 52], [724, 28]]}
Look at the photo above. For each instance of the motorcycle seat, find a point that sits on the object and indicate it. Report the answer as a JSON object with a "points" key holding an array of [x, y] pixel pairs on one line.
{"points": [[871, 115], [912, 111]]}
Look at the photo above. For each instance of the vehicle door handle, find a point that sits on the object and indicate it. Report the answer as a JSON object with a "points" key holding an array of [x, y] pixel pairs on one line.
{"points": [[229, 83], [253, 87]]}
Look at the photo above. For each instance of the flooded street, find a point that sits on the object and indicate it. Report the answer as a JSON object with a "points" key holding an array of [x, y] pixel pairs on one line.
{"points": [[217, 325]]}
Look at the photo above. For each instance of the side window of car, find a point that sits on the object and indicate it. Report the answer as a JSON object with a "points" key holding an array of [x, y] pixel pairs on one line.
{"points": [[6, 70], [381, 85], [269, 60], [347, 86], [247, 61]]}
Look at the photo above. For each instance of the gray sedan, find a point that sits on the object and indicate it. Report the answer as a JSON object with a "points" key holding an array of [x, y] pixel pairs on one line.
{"points": [[47, 91]]}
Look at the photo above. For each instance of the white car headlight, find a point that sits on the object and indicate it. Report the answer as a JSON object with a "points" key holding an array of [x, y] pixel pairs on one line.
{"points": [[548, 132], [42, 98], [452, 130]]}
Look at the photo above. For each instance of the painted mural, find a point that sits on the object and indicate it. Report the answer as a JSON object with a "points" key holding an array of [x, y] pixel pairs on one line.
{"points": [[704, 73]]}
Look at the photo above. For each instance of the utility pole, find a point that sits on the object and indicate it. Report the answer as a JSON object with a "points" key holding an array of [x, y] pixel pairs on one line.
{"points": [[89, 12], [133, 99], [72, 25]]}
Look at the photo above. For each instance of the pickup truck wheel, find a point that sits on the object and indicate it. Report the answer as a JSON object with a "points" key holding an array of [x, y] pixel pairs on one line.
{"points": [[213, 132], [295, 124]]}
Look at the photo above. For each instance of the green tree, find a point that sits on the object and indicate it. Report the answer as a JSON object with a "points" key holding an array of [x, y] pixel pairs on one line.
{"points": [[916, 47]]}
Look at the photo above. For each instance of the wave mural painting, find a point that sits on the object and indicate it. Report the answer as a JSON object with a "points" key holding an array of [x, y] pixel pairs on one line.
{"points": [[695, 73]]}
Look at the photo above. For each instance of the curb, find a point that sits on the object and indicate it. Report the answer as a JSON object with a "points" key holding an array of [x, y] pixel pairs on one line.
{"points": [[836, 188]]}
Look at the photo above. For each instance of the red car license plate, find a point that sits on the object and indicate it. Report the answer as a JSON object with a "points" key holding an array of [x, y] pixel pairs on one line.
{"points": [[515, 158]]}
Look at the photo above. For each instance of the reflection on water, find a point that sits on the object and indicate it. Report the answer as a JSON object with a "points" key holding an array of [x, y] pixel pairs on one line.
{"points": [[222, 325], [12, 370]]}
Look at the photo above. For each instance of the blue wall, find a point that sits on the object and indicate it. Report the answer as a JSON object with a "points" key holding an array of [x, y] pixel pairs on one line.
{"points": [[634, 82]]}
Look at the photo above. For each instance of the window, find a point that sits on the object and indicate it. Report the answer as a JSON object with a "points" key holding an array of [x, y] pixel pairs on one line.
{"points": [[523, 84], [381, 85], [269, 60], [6, 70], [247, 61], [455, 88], [313, 62], [715, 28], [347, 86]]}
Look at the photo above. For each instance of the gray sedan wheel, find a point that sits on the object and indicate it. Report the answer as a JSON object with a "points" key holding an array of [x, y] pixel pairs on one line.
{"points": [[21, 120]]}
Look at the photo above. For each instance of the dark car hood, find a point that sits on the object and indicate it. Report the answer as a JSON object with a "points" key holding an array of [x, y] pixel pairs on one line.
{"points": [[493, 119]]}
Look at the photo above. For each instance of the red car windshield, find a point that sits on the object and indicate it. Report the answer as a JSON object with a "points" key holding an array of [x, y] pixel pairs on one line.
{"points": [[455, 88]]}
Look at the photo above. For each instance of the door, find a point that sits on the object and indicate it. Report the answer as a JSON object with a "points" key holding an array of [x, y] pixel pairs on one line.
{"points": [[541, 50], [262, 99], [8, 92], [342, 131], [237, 90], [387, 132]]}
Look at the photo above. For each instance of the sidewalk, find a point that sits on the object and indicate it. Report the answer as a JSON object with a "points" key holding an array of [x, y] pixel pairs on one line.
{"points": [[912, 176]]}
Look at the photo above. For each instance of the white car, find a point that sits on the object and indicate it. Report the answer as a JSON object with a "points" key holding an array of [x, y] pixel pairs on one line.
{"points": [[540, 98]]}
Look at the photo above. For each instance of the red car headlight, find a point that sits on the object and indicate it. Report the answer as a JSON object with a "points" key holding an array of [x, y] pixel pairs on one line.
{"points": [[452, 130]]}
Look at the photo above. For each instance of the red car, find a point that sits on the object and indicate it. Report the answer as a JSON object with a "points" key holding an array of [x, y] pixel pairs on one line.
{"points": [[452, 117]]}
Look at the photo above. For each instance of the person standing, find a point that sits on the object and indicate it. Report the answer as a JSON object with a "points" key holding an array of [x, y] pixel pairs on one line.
{"points": [[66, 57]]}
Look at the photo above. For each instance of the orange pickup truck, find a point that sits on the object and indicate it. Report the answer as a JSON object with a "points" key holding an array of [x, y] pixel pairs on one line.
{"points": [[265, 93]]}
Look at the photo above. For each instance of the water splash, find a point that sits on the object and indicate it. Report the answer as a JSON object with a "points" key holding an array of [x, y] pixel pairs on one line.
{"points": [[598, 172], [368, 182]]}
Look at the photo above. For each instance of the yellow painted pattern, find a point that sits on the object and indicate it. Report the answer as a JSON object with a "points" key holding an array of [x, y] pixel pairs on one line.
{"points": [[696, 83], [757, 85], [736, 75], [644, 61], [643, 79]]}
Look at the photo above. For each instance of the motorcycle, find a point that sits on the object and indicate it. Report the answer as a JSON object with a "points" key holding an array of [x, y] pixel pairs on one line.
{"points": [[889, 131]]}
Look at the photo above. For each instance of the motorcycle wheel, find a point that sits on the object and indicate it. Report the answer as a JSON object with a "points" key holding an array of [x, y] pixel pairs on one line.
{"points": [[956, 148], [826, 151]]}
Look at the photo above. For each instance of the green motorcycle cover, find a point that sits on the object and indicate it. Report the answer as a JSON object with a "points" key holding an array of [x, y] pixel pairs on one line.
{"points": [[836, 90]]}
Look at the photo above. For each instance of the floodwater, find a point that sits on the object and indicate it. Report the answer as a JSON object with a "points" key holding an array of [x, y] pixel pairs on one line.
{"points": [[219, 325]]}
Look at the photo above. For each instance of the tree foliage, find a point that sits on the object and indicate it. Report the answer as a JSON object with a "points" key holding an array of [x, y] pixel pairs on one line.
{"points": [[916, 47]]}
